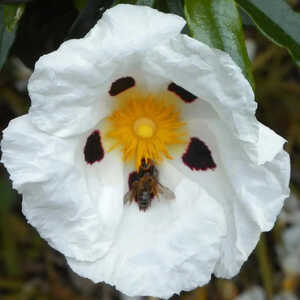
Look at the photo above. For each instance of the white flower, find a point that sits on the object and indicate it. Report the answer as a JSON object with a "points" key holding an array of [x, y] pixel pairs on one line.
{"points": [[191, 112]]}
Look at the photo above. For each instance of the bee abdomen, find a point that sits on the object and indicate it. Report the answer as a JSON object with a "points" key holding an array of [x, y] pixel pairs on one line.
{"points": [[144, 200], [143, 205]]}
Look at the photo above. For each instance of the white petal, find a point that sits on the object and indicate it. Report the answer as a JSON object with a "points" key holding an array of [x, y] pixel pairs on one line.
{"points": [[173, 246], [252, 195], [215, 182], [255, 175], [74, 206], [269, 144], [211, 75], [147, 27], [69, 87], [259, 193]]}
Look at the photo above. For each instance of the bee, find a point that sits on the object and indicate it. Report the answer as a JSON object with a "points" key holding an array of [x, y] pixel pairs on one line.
{"points": [[146, 187]]}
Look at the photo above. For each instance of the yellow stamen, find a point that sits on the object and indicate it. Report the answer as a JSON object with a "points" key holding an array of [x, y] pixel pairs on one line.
{"points": [[146, 129]]}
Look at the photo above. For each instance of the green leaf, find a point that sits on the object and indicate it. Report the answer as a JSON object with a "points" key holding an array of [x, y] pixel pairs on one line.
{"points": [[217, 23], [277, 21], [161, 5], [12, 15], [175, 7], [145, 2], [6, 38], [170, 6]]}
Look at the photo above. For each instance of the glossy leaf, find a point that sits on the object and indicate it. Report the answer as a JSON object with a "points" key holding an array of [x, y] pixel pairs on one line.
{"points": [[6, 39], [277, 21], [12, 15], [217, 23]]}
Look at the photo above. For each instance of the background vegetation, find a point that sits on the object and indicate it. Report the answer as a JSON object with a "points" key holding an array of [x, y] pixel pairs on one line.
{"points": [[30, 269]]}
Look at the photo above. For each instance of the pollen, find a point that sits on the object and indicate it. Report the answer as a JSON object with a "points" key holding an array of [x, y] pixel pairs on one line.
{"points": [[146, 128]]}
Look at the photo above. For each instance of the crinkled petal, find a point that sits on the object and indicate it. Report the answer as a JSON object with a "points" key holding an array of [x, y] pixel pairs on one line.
{"points": [[260, 191], [252, 172], [211, 75], [251, 194], [70, 87], [170, 247], [76, 207]]}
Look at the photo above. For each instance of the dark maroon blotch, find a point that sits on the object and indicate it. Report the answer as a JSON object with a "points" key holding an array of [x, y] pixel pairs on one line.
{"points": [[93, 150], [121, 85], [133, 176], [185, 95], [198, 156]]}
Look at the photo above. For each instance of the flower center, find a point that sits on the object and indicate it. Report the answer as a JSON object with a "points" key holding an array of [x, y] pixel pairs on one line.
{"points": [[145, 128]]}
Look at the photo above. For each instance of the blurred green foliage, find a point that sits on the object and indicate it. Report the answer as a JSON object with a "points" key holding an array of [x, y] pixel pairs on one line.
{"points": [[30, 269], [6, 38], [280, 23], [12, 15]]}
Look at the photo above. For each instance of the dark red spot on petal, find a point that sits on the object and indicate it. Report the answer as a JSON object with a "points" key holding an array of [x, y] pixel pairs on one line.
{"points": [[198, 156], [133, 176], [93, 150], [185, 95], [121, 85]]}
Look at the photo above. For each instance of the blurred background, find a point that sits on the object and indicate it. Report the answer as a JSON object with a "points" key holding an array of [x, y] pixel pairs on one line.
{"points": [[30, 269]]}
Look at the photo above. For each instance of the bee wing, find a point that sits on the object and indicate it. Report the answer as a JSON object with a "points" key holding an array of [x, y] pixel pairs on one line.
{"points": [[165, 192], [128, 197]]}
